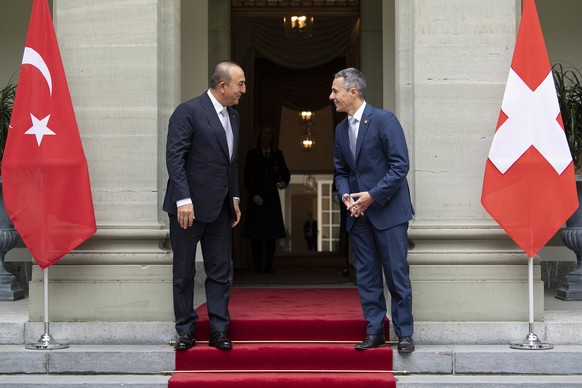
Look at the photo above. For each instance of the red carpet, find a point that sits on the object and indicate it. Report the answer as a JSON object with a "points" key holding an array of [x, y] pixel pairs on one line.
{"points": [[270, 319]]}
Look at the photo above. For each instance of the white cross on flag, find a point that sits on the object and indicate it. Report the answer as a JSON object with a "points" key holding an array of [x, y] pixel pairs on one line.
{"points": [[529, 186]]}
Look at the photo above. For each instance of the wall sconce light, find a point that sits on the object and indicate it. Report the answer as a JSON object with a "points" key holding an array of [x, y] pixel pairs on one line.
{"points": [[298, 26], [307, 140]]}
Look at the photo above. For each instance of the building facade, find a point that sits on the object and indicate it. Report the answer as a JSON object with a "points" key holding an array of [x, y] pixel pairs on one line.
{"points": [[441, 65]]}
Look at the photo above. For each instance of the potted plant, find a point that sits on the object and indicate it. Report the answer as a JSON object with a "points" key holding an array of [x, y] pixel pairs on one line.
{"points": [[10, 289], [568, 81], [7, 94]]}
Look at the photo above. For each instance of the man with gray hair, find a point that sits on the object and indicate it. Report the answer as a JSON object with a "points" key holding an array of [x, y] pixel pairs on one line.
{"points": [[202, 200], [371, 164]]}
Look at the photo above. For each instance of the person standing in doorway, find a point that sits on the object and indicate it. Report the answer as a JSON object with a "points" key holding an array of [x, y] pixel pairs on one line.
{"points": [[371, 165], [265, 174], [202, 200], [310, 232]]}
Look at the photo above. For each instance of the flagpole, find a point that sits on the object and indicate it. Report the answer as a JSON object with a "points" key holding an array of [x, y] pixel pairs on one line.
{"points": [[531, 341], [46, 341]]}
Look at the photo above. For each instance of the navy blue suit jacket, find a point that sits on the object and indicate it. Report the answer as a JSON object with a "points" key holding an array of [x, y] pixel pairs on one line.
{"points": [[380, 167], [197, 159]]}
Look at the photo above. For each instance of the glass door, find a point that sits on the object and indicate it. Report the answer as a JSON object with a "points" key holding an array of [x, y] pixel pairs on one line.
{"points": [[328, 217]]}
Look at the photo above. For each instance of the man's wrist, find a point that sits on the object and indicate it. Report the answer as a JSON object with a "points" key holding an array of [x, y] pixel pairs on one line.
{"points": [[236, 199], [182, 202]]}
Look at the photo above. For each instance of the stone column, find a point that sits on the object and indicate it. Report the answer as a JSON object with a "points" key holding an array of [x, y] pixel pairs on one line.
{"points": [[452, 62], [371, 49], [122, 60]]}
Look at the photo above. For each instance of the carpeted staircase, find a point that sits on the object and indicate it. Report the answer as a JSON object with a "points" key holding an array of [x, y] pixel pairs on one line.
{"points": [[287, 337]]}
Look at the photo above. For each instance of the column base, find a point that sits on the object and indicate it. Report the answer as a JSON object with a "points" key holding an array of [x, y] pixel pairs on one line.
{"points": [[571, 287], [10, 289]]}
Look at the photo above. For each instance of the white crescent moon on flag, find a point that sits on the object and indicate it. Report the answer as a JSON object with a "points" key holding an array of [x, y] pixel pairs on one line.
{"points": [[33, 58]]}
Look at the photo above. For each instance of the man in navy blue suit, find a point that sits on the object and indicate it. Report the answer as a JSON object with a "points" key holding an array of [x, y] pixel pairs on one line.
{"points": [[371, 164], [202, 200]]}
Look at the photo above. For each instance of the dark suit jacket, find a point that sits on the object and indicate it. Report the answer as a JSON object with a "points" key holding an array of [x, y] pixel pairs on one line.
{"points": [[197, 158], [261, 176], [380, 167]]}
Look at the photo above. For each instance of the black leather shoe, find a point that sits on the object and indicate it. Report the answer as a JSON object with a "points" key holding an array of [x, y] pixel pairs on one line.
{"points": [[219, 340], [405, 345], [185, 341], [372, 341]]}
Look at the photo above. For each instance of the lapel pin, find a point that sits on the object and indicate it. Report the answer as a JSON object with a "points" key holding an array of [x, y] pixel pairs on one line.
{"points": [[365, 122]]}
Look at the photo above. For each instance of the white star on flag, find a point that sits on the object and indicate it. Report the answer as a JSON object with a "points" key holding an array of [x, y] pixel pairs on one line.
{"points": [[39, 128], [531, 122]]}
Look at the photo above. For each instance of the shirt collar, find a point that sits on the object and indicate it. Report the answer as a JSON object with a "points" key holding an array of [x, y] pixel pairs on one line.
{"points": [[217, 105], [360, 112]]}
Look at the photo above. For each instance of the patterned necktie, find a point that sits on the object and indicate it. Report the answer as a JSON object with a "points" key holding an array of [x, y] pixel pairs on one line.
{"points": [[226, 124], [353, 132]]}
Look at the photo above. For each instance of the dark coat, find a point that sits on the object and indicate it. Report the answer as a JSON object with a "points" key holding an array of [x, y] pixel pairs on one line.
{"points": [[260, 177]]}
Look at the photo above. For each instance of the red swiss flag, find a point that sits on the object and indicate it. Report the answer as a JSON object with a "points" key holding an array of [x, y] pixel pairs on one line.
{"points": [[45, 179], [529, 186]]}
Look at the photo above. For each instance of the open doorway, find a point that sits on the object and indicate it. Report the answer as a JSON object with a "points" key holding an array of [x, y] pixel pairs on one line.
{"points": [[287, 75]]}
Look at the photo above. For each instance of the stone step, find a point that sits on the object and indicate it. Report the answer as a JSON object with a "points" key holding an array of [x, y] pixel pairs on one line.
{"points": [[74, 381], [135, 366], [560, 328], [133, 354], [427, 359], [489, 381], [87, 359], [411, 381], [491, 359]]}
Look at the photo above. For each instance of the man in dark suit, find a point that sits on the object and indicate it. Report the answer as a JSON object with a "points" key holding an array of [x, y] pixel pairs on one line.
{"points": [[371, 163], [202, 200], [265, 174]]}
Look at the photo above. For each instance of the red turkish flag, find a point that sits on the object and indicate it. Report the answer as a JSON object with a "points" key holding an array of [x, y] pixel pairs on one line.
{"points": [[529, 186], [45, 179]]}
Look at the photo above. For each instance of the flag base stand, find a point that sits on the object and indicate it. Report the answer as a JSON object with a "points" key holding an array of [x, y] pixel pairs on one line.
{"points": [[46, 341], [531, 342]]}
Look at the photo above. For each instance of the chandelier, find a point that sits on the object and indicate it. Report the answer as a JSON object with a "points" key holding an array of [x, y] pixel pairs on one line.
{"points": [[298, 26], [307, 140]]}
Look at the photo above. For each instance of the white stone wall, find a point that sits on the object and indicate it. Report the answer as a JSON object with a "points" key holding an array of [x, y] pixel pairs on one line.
{"points": [[452, 62], [460, 58], [122, 60]]}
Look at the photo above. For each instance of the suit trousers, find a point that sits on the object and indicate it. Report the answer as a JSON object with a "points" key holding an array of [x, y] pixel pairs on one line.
{"points": [[263, 257], [216, 242], [376, 252]]}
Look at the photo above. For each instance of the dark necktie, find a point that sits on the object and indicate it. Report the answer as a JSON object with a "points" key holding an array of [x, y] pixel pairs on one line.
{"points": [[226, 124]]}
